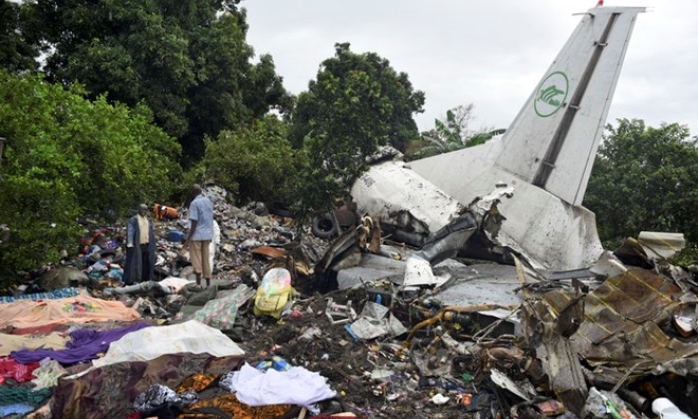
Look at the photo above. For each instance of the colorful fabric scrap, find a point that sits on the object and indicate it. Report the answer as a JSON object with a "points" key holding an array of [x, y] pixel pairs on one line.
{"points": [[230, 405], [196, 382], [9, 343], [108, 392], [221, 312], [21, 395], [9, 368], [50, 295], [80, 309], [85, 345]]}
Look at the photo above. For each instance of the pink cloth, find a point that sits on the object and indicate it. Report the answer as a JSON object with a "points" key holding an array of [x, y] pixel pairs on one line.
{"points": [[79, 309], [9, 368]]}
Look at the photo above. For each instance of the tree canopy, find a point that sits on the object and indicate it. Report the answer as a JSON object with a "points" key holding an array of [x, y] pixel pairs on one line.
{"points": [[18, 48], [452, 134], [357, 103], [66, 156], [645, 178], [187, 60], [357, 100], [256, 162]]}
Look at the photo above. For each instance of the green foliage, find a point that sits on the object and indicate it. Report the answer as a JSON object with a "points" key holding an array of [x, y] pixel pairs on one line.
{"points": [[452, 134], [686, 257], [67, 156], [255, 162], [18, 50], [186, 60], [645, 179], [357, 103]]}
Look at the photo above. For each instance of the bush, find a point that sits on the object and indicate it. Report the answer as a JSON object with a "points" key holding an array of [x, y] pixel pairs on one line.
{"points": [[67, 156], [255, 162], [645, 178]]}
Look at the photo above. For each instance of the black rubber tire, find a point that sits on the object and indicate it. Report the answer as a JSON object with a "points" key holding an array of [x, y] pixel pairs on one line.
{"points": [[324, 226]]}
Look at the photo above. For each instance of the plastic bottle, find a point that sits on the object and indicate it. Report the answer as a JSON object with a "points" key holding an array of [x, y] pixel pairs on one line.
{"points": [[667, 410]]}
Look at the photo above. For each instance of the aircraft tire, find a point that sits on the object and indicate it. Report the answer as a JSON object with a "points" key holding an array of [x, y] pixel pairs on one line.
{"points": [[324, 226]]}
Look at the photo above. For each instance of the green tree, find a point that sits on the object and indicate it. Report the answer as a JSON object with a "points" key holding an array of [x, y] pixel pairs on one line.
{"points": [[644, 178], [18, 49], [67, 156], [357, 103], [452, 134], [187, 60], [256, 162]]}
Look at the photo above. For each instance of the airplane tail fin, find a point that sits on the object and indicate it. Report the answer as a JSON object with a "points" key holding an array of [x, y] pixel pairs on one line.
{"points": [[554, 138]]}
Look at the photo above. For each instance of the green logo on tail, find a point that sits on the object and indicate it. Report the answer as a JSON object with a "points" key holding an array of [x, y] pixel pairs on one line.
{"points": [[551, 94]]}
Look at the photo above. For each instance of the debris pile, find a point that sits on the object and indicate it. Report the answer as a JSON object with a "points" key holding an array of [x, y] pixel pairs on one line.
{"points": [[356, 324]]}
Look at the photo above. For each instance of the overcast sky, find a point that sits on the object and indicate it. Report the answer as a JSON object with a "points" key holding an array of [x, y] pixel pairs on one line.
{"points": [[489, 53]]}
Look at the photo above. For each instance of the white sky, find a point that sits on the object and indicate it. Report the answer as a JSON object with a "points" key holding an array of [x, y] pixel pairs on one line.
{"points": [[489, 53]]}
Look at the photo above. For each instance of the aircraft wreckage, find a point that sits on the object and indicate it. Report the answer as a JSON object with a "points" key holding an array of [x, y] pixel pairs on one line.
{"points": [[538, 170]]}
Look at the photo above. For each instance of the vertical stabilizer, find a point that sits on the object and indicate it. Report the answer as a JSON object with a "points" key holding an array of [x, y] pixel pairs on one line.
{"points": [[554, 138], [548, 151]]}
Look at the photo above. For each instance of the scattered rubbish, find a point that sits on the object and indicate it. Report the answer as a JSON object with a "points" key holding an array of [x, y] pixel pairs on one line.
{"points": [[273, 293], [439, 399], [435, 334], [667, 410], [376, 320], [339, 314]]}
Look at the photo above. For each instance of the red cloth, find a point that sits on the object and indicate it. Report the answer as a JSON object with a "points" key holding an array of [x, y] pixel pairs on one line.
{"points": [[40, 330], [9, 368]]}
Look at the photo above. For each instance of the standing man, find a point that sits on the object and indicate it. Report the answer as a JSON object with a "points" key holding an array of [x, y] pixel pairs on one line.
{"points": [[200, 234], [140, 248]]}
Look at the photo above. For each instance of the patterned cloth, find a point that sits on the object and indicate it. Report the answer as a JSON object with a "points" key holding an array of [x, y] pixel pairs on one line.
{"points": [[158, 396], [10, 343], [221, 312], [47, 375], [83, 308], [108, 392], [20, 395], [9, 368], [230, 405], [196, 382], [51, 295]]}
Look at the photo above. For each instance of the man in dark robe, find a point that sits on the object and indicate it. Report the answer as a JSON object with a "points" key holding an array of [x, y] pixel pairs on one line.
{"points": [[140, 248]]}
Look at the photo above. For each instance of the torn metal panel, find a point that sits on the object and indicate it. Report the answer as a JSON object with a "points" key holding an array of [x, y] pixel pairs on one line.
{"points": [[418, 272], [548, 322], [449, 240], [608, 266], [371, 268], [337, 251], [523, 389], [621, 331], [632, 253], [475, 284], [659, 246]]}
